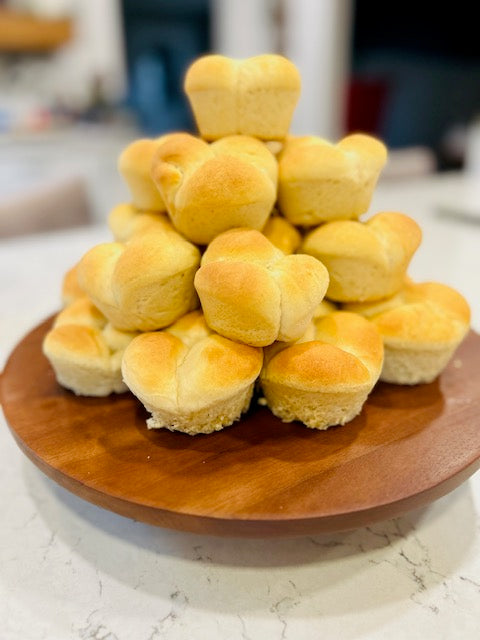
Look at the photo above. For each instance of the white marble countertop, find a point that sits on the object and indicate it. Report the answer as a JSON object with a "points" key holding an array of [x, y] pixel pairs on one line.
{"points": [[70, 570]]}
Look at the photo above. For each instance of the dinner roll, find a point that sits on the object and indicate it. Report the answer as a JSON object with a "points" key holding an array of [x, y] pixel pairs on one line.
{"points": [[85, 351], [189, 378], [211, 188], [252, 292], [421, 326], [320, 181], [324, 379], [71, 289], [366, 261], [144, 284], [125, 221], [324, 309], [254, 97], [134, 164], [282, 234]]}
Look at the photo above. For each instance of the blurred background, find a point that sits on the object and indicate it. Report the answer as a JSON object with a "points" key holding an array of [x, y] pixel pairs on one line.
{"points": [[79, 80]]}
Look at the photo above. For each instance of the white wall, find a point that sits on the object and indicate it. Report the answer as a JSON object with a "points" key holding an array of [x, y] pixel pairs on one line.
{"points": [[317, 40], [96, 50], [243, 28], [314, 34]]}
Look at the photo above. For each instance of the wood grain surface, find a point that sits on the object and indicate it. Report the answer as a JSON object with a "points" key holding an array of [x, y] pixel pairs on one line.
{"points": [[259, 477]]}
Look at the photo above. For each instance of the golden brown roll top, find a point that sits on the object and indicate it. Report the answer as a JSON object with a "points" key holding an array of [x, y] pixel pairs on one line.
{"points": [[366, 261], [251, 292], [254, 97], [145, 284], [71, 289], [421, 327], [85, 351], [189, 378], [125, 221], [134, 164], [81, 312], [211, 188], [325, 378], [320, 181], [282, 234], [324, 308]]}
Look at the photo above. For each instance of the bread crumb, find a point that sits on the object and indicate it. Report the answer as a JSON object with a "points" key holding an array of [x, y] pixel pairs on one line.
{"points": [[457, 363]]}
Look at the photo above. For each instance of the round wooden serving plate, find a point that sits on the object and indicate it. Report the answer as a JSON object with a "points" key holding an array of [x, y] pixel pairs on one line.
{"points": [[259, 477]]}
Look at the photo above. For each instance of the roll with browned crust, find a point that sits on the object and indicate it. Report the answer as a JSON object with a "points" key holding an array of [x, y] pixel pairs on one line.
{"points": [[421, 326], [189, 378], [126, 221], [144, 284], [324, 378], [134, 165], [282, 234], [71, 289], [211, 188], [252, 292], [85, 351], [254, 97], [320, 181], [365, 260]]}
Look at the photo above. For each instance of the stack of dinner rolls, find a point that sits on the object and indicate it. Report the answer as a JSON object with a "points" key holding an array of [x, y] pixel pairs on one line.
{"points": [[240, 266]]}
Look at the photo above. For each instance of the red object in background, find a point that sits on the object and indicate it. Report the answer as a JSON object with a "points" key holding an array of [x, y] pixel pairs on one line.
{"points": [[38, 120], [366, 100]]}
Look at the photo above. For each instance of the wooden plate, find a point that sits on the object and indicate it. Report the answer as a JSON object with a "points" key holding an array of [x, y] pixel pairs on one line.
{"points": [[260, 477]]}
